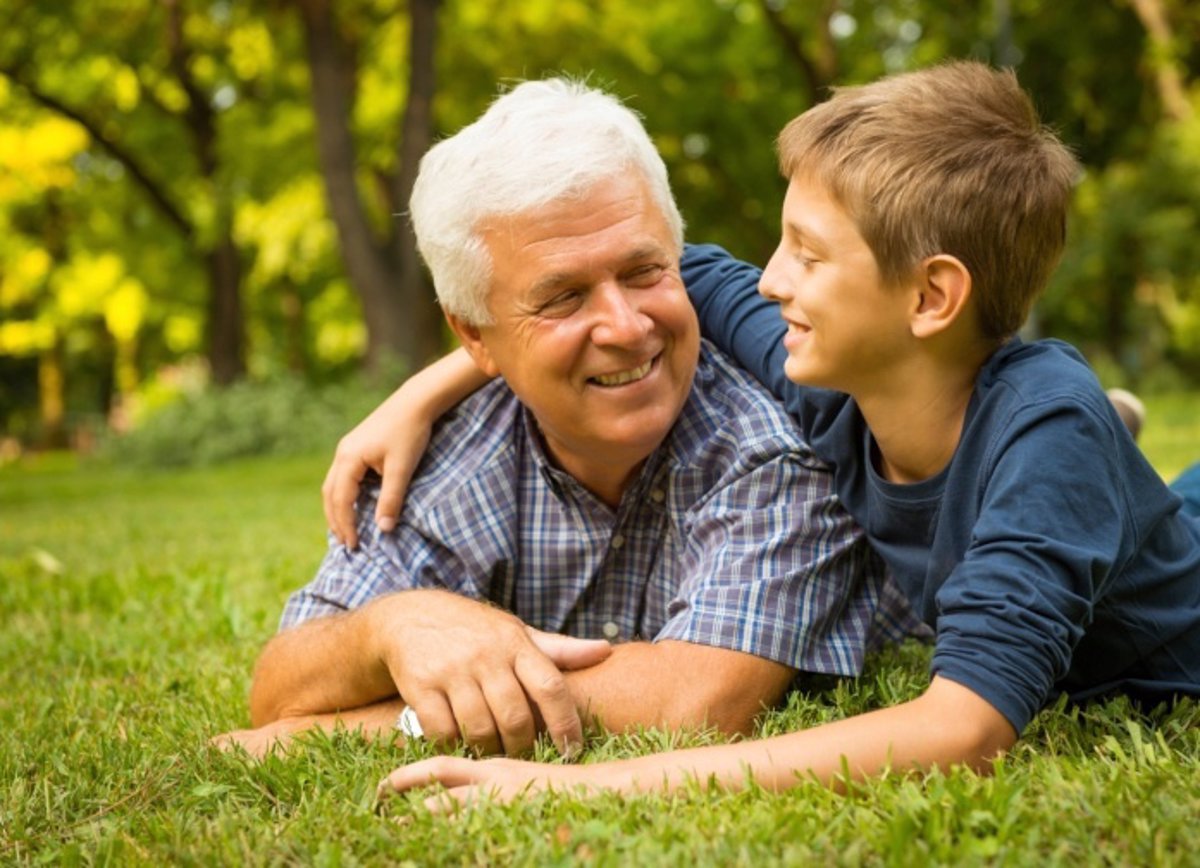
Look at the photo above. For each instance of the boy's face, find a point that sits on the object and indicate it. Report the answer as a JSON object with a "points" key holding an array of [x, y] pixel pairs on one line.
{"points": [[846, 329]]}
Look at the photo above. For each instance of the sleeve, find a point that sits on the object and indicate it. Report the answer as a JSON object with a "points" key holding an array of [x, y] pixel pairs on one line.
{"points": [[404, 559], [1051, 523], [775, 567], [735, 317]]}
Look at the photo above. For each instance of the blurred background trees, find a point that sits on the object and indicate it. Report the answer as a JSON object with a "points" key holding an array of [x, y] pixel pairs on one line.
{"points": [[199, 192]]}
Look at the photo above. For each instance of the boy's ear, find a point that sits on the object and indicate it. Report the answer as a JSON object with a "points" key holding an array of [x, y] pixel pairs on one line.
{"points": [[472, 341], [942, 295]]}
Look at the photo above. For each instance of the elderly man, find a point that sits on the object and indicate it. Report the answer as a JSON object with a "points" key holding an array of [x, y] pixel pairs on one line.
{"points": [[619, 480]]}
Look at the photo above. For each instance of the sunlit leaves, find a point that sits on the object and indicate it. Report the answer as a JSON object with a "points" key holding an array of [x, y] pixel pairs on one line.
{"points": [[714, 79], [25, 337], [290, 232], [38, 156]]}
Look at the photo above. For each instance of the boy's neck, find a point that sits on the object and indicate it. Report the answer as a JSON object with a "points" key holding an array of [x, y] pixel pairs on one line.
{"points": [[917, 417]]}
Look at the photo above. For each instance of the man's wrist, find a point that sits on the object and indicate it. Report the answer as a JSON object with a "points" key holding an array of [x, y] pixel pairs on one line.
{"points": [[381, 621]]}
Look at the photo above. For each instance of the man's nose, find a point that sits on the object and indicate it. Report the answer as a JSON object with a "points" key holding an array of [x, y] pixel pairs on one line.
{"points": [[618, 319]]}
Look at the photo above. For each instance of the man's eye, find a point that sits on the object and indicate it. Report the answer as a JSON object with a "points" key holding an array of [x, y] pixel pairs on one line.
{"points": [[647, 275], [561, 304]]}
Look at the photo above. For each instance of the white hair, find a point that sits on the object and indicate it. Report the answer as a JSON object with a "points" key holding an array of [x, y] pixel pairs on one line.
{"points": [[540, 142]]}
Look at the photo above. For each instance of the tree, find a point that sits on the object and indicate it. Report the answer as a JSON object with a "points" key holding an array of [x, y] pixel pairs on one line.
{"points": [[158, 75], [382, 262]]}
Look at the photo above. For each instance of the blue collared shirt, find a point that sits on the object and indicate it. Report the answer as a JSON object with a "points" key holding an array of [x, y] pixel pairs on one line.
{"points": [[730, 536]]}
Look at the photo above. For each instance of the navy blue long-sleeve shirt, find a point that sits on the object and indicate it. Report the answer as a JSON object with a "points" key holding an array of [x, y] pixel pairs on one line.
{"points": [[1048, 555]]}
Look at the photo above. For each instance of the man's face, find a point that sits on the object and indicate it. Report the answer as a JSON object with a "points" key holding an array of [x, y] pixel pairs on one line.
{"points": [[846, 328], [592, 328]]}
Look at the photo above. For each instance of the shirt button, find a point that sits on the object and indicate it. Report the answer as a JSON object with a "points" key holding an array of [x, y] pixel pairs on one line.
{"points": [[658, 495], [618, 541], [611, 631]]}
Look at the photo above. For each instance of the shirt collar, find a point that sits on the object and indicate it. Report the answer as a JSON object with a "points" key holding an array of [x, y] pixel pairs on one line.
{"points": [[562, 483]]}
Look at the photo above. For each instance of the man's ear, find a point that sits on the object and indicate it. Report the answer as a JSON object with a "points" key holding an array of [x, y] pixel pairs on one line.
{"points": [[942, 294], [472, 340]]}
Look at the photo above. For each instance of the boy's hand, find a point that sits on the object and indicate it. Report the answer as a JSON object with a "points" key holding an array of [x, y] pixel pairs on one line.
{"points": [[392, 446], [391, 442], [467, 781]]}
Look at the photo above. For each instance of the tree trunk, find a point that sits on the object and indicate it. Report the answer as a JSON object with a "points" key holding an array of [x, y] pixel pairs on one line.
{"points": [[424, 316], [291, 305], [399, 312], [51, 392], [226, 328], [1164, 59], [225, 336]]}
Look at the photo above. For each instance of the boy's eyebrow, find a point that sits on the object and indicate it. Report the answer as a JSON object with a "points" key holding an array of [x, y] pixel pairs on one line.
{"points": [[803, 235]]}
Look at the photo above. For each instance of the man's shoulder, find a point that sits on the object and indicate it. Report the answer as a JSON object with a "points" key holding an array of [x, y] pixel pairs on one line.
{"points": [[472, 444], [731, 416]]}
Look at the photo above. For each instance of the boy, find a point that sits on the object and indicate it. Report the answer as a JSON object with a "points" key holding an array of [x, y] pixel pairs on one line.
{"points": [[924, 213]]}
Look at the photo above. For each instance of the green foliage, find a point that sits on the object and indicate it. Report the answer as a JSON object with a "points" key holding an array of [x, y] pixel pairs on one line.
{"points": [[95, 278], [134, 606], [1140, 308], [281, 415]]}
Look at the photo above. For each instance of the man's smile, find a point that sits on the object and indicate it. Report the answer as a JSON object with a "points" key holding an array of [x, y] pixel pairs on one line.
{"points": [[621, 378]]}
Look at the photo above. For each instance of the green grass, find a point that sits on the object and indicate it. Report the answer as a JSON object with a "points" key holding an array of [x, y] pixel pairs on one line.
{"points": [[1171, 437], [131, 610]]}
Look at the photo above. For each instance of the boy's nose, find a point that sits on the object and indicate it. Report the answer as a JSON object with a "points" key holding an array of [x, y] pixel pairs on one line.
{"points": [[769, 282]]}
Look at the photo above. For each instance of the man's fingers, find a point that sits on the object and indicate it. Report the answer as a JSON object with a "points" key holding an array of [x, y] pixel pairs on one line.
{"points": [[475, 721], [511, 711], [435, 716], [549, 691], [568, 652], [256, 742]]}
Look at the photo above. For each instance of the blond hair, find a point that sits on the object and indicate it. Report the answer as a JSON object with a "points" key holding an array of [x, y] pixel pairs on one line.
{"points": [[947, 160]]}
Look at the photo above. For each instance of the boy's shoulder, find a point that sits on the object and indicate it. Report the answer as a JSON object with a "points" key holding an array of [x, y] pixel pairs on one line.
{"points": [[1041, 373], [1038, 404]]}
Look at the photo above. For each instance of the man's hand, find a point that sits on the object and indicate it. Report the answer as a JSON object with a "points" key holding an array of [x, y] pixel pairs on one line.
{"points": [[473, 671], [262, 741], [374, 721]]}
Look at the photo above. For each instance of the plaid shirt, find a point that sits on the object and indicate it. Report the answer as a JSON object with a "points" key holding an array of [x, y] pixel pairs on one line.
{"points": [[730, 536]]}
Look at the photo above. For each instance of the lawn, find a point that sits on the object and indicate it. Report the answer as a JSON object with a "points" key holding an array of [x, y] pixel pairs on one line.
{"points": [[132, 608]]}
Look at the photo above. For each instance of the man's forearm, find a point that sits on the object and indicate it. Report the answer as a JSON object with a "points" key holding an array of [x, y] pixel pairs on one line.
{"points": [[674, 685], [318, 667], [378, 718]]}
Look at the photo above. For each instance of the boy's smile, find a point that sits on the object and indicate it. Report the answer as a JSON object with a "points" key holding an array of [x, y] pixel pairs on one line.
{"points": [[845, 327]]}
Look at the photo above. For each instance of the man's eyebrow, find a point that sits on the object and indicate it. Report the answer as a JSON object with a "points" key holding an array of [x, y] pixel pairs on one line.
{"points": [[557, 279], [551, 282]]}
